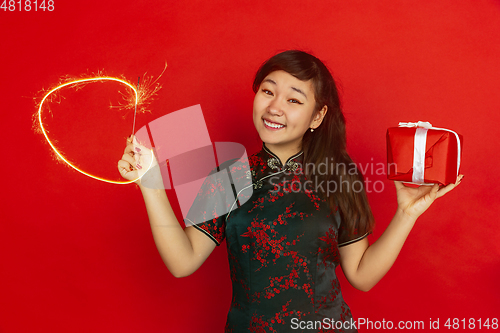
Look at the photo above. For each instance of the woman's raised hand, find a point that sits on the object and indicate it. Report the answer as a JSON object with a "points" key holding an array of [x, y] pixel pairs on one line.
{"points": [[414, 201], [136, 160]]}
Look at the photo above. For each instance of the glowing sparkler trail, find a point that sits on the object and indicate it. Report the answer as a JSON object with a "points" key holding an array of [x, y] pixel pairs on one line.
{"points": [[103, 78]]}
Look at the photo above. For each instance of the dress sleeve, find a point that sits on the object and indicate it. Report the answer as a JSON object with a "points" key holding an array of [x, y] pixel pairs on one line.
{"points": [[345, 237], [214, 200]]}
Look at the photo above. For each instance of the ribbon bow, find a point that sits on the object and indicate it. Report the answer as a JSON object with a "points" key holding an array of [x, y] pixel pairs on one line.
{"points": [[423, 124]]}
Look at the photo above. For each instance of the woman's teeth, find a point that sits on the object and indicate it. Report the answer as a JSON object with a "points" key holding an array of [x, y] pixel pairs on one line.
{"points": [[273, 125]]}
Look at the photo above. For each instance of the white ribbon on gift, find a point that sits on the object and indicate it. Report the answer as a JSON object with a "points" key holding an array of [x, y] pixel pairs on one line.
{"points": [[420, 141]]}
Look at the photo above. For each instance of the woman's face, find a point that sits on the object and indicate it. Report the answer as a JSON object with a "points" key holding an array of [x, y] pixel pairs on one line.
{"points": [[283, 111]]}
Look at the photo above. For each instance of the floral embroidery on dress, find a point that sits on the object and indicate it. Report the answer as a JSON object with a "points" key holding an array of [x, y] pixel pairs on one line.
{"points": [[282, 246]]}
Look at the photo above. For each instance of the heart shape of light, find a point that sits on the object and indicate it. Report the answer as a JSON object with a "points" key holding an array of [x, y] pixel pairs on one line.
{"points": [[44, 132]]}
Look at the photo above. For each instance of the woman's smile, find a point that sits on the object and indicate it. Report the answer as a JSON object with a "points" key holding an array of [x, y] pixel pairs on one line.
{"points": [[270, 125]]}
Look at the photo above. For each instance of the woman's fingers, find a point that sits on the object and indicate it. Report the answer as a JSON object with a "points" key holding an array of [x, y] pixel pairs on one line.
{"points": [[399, 185], [449, 187], [129, 164], [124, 165], [134, 148], [126, 170], [445, 190], [416, 200], [131, 148], [134, 160], [137, 159], [433, 192], [133, 145], [129, 158]]}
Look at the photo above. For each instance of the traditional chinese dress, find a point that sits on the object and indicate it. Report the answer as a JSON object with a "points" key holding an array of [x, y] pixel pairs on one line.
{"points": [[282, 243]]}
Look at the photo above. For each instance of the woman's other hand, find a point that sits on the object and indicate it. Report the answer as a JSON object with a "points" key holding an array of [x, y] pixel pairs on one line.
{"points": [[414, 201]]}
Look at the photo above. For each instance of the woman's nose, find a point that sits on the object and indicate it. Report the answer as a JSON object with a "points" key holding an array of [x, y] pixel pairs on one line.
{"points": [[275, 108]]}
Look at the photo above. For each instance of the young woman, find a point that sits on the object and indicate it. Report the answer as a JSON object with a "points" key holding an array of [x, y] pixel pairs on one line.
{"points": [[300, 221]]}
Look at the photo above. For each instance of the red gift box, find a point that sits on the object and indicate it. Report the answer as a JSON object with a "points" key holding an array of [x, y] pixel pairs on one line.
{"points": [[418, 153]]}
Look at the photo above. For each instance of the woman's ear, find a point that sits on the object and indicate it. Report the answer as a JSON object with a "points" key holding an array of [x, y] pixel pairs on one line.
{"points": [[318, 118]]}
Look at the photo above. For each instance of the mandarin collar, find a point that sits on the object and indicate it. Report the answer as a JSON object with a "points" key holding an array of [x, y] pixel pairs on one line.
{"points": [[274, 163]]}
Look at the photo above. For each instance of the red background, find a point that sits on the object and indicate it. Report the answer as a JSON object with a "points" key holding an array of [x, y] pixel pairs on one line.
{"points": [[77, 254]]}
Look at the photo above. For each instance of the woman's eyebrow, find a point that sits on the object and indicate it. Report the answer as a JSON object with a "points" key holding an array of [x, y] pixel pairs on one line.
{"points": [[296, 89], [300, 91], [270, 81]]}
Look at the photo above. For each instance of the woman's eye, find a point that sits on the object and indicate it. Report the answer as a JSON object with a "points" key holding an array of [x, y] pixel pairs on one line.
{"points": [[267, 92], [294, 101]]}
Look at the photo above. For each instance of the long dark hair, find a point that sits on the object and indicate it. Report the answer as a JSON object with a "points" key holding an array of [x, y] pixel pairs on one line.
{"points": [[327, 144]]}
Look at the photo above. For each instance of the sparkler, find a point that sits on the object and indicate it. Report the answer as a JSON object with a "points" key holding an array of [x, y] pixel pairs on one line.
{"points": [[135, 112], [143, 93]]}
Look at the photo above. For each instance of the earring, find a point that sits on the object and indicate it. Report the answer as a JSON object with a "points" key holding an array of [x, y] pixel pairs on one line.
{"points": [[312, 129]]}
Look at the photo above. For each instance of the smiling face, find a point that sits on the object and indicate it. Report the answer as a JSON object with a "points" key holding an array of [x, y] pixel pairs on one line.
{"points": [[283, 111]]}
